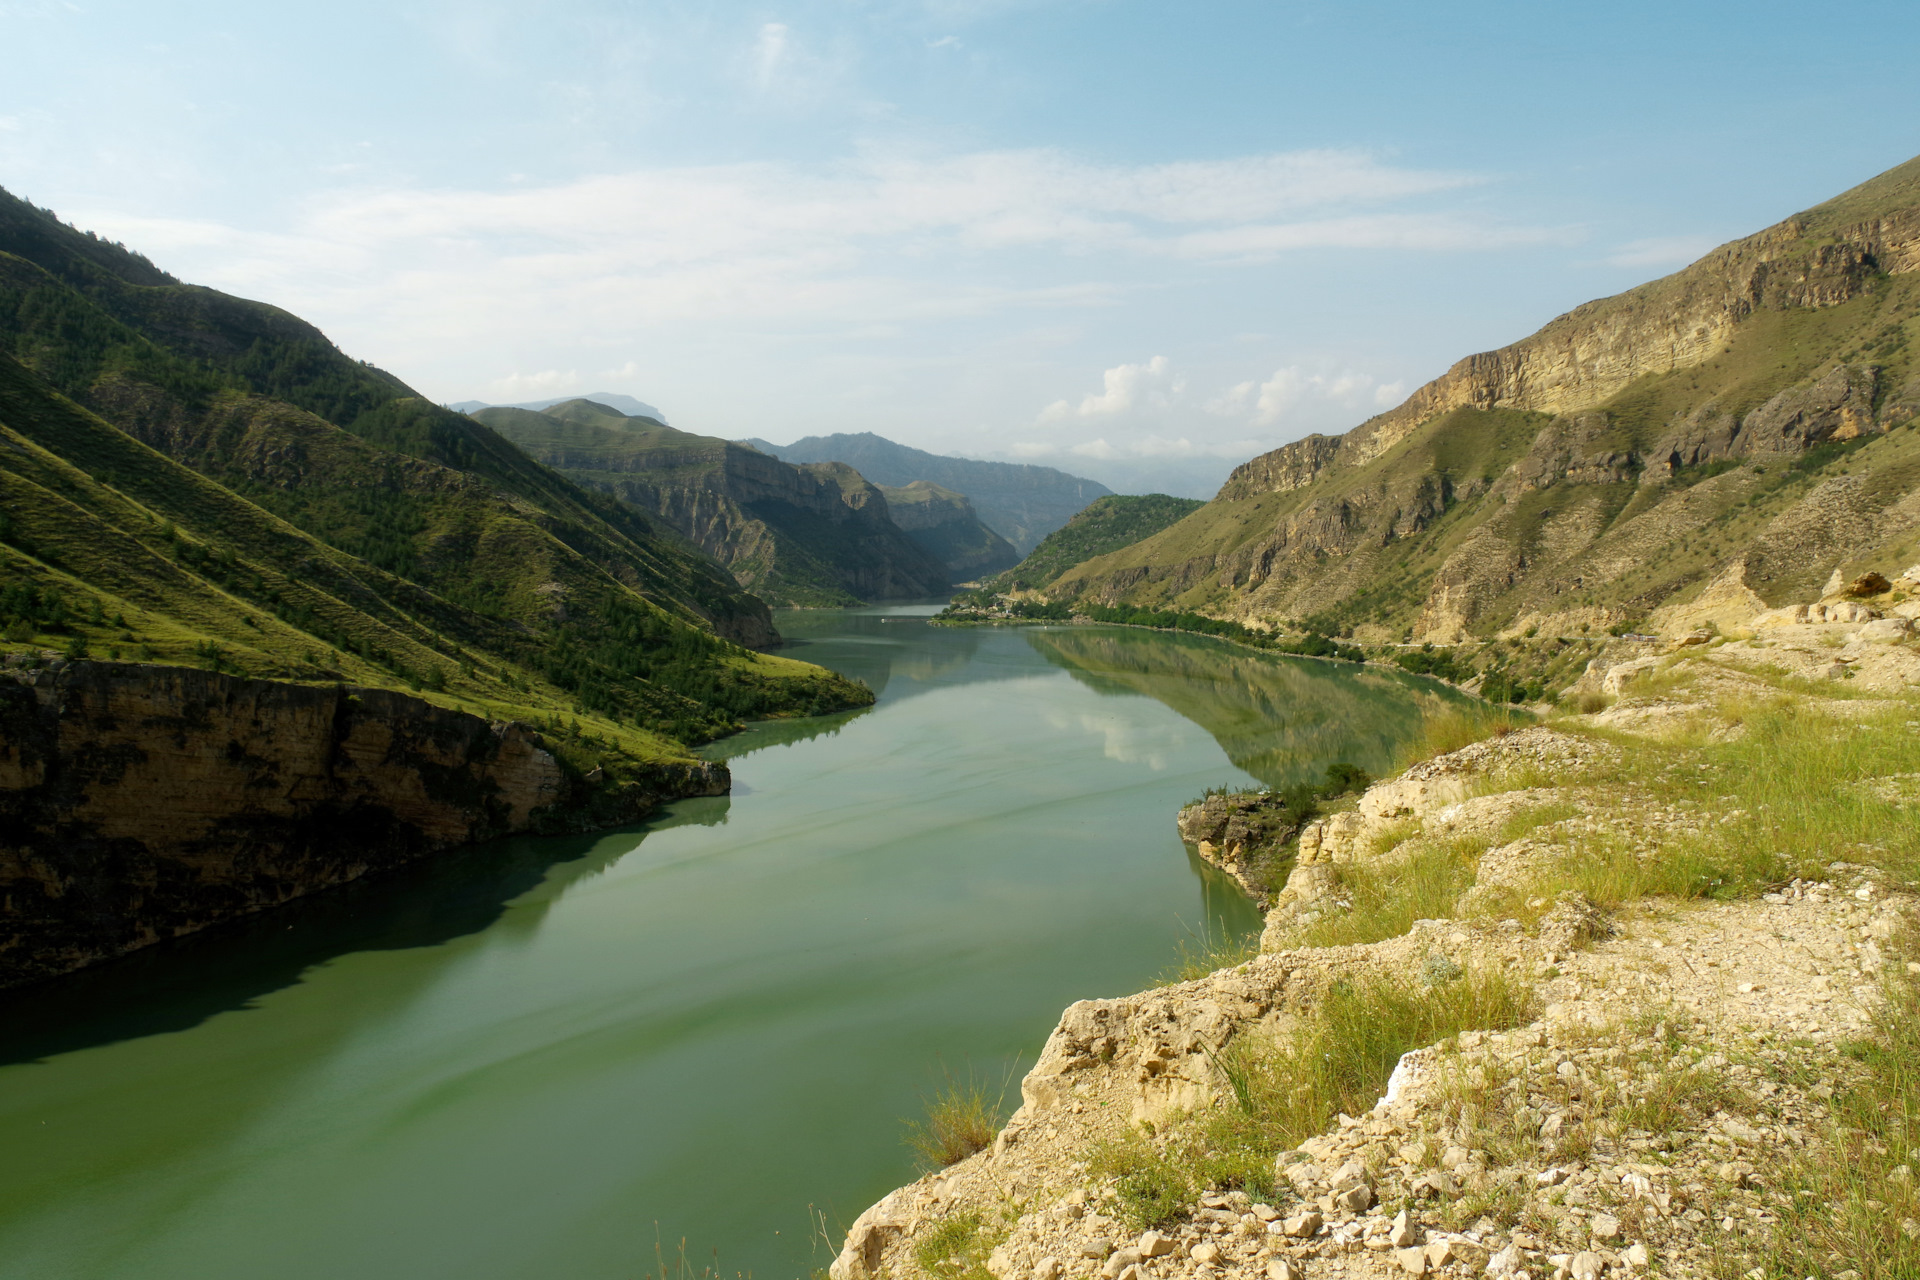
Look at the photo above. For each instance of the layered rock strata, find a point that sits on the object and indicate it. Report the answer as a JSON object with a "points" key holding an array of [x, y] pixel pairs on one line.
{"points": [[139, 803]]}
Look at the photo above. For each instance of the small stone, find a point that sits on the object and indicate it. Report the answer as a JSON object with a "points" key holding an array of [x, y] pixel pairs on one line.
{"points": [[1586, 1265], [1205, 1254], [1550, 1177], [1637, 1256], [1301, 1225], [1605, 1227], [1403, 1233], [1281, 1269], [1412, 1261], [1265, 1212], [1120, 1261], [1098, 1247], [1748, 988], [1355, 1199], [1505, 1262], [1154, 1245], [1439, 1253]]}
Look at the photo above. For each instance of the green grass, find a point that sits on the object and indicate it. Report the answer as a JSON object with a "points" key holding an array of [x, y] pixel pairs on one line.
{"points": [[1852, 1201], [961, 1118], [1275, 1093], [1105, 524]]}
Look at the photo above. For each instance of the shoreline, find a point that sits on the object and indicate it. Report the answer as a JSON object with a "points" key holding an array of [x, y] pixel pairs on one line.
{"points": [[1566, 836]]}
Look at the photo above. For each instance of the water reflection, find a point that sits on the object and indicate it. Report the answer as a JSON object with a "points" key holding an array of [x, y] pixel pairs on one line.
{"points": [[1283, 720]]}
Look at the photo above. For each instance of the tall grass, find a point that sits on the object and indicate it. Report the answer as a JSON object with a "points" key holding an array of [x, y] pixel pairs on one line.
{"points": [[1852, 1198], [961, 1117], [1278, 1092], [1387, 897], [1455, 727]]}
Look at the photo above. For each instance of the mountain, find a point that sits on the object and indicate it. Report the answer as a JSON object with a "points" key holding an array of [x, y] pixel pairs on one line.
{"points": [[271, 465], [270, 622], [1104, 525], [612, 399], [1694, 450], [812, 536], [944, 525], [1021, 503]]}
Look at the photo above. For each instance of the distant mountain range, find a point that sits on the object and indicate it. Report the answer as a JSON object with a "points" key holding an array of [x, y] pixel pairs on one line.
{"points": [[807, 534], [1022, 503], [612, 399]]}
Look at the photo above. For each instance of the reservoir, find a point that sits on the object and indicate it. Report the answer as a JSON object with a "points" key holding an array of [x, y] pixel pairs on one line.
{"points": [[558, 1059]]}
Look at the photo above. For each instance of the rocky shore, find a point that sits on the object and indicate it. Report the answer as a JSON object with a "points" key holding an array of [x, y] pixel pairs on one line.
{"points": [[1674, 1046], [141, 802]]}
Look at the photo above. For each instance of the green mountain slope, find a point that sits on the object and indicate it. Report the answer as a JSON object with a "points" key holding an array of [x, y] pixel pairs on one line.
{"points": [[1022, 503], [944, 525], [110, 549], [209, 379], [173, 466], [1708, 444], [1103, 526], [816, 536]]}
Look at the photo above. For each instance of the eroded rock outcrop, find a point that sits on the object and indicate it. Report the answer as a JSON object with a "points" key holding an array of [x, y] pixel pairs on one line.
{"points": [[142, 802]]}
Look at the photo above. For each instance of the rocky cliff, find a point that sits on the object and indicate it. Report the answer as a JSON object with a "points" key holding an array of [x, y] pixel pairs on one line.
{"points": [[1745, 418], [794, 535], [141, 802], [944, 525]]}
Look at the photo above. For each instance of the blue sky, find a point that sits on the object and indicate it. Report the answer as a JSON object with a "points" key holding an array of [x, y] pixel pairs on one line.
{"points": [[1140, 241]]}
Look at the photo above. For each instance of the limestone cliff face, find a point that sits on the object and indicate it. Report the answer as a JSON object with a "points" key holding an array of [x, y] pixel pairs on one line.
{"points": [[1584, 357], [799, 535], [139, 803], [944, 525], [1749, 416]]}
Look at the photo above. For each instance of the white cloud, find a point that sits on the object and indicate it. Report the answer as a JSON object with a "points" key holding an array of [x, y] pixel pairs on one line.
{"points": [[769, 51], [1277, 399], [1662, 251], [1124, 388], [531, 386]]}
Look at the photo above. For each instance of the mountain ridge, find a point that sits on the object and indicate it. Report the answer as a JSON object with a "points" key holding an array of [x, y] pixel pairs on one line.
{"points": [[1019, 501], [808, 535], [1677, 443]]}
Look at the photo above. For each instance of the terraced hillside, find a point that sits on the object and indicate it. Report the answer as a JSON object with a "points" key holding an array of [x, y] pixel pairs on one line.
{"points": [[1704, 446]]}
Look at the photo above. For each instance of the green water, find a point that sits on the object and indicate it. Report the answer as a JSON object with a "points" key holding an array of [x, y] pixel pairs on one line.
{"points": [[539, 1058]]}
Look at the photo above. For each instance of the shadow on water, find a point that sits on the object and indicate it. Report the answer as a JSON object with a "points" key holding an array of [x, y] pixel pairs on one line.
{"points": [[1283, 720], [898, 654], [179, 984]]}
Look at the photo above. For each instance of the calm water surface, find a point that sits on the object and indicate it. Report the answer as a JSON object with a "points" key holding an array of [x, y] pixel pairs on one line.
{"points": [[543, 1057]]}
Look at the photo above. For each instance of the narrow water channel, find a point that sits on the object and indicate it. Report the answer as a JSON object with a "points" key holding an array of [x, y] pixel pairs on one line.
{"points": [[546, 1058]]}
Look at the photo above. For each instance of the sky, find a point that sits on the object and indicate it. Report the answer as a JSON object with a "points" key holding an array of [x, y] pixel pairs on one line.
{"points": [[1142, 242]]}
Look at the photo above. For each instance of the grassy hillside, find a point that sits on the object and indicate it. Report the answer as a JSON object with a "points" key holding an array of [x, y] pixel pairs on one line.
{"points": [[176, 492], [1601, 474], [792, 535], [1105, 525], [117, 551]]}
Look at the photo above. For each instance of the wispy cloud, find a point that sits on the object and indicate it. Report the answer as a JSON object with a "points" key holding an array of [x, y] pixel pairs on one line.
{"points": [[1661, 251]]}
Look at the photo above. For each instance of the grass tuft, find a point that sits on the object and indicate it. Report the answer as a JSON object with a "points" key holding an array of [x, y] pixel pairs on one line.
{"points": [[1278, 1092], [961, 1118]]}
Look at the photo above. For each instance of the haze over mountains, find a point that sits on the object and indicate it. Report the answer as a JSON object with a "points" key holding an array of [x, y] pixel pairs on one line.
{"points": [[1021, 502]]}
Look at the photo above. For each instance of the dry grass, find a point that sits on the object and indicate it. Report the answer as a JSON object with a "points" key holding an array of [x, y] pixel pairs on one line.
{"points": [[1387, 897], [1453, 728], [1277, 1093], [1852, 1203]]}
